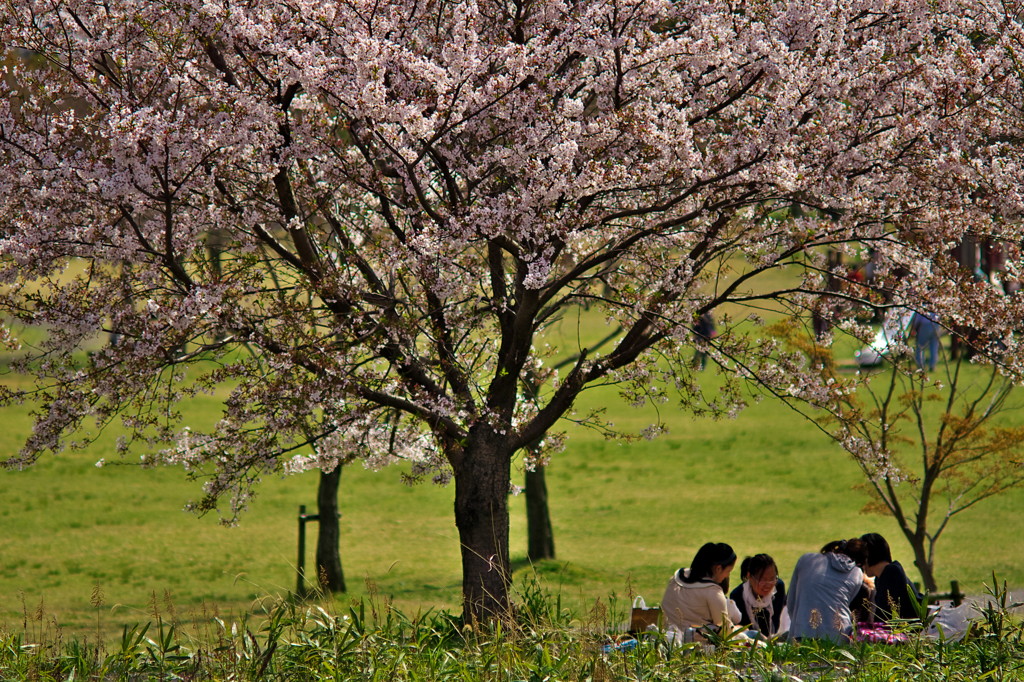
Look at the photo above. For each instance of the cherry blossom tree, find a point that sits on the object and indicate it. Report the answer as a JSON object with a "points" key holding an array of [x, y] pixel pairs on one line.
{"points": [[362, 217]]}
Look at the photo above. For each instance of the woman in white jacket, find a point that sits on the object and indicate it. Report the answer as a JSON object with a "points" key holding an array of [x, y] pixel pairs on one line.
{"points": [[695, 596]]}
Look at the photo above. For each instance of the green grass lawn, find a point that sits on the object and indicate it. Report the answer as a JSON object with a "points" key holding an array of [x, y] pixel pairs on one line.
{"points": [[94, 548]]}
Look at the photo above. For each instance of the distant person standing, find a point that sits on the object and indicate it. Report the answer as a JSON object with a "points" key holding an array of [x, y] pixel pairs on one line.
{"points": [[925, 330], [705, 329]]}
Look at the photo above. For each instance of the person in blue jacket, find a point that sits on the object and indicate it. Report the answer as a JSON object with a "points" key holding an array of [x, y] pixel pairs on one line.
{"points": [[925, 329], [823, 587]]}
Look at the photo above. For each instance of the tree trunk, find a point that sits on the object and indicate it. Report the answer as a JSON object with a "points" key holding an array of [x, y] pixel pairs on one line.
{"points": [[540, 539], [481, 515], [328, 539], [925, 566]]}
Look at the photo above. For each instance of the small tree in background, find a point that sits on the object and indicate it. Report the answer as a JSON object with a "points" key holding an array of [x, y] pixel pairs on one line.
{"points": [[930, 448]]}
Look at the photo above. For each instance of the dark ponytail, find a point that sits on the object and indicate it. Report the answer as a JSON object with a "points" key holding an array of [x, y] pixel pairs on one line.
{"points": [[710, 555], [855, 548]]}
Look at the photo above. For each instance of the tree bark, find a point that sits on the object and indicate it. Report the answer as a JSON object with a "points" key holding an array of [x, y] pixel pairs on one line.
{"points": [[328, 541], [925, 567], [917, 539], [540, 539], [481, 516]]}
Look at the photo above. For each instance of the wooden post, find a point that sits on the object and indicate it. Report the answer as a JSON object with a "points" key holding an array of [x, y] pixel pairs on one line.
{"points": [[300, 584], [954, 592]]}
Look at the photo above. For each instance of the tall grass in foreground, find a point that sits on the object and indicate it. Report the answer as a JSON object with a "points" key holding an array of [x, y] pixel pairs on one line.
{"points": [[543, 642]]}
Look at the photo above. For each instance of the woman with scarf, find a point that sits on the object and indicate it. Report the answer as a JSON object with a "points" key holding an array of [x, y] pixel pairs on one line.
{"points": [[761, 597]]}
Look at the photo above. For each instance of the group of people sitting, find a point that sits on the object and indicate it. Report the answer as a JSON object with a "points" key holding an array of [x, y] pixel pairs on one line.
{"points": [[848, 582]]}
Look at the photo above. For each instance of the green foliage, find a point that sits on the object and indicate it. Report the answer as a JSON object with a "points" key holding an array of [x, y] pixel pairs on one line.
{"points": [[544, 642]]}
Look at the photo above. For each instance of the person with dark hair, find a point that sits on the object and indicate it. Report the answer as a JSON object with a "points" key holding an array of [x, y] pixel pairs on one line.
{"points": [[762, 596], [695, 596], [891, 599], [832, 546], [705, 330], [824, 585]]}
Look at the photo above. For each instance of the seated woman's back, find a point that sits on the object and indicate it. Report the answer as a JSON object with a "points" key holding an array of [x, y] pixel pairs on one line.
{"points": [[820, 593]]}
